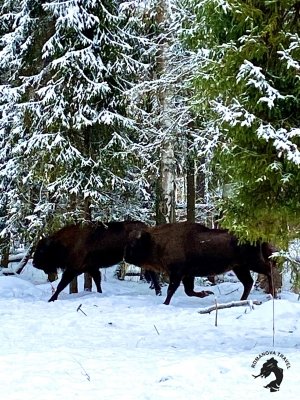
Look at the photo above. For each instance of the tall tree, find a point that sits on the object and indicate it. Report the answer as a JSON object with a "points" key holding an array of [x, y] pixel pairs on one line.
{"points": [[167, 119], [68, 67], [248, 89]]}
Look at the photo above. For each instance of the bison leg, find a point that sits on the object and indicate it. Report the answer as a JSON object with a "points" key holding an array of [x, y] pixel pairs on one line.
{"points": [[66, 278], [96, 275], [188, 283], [155, 282], [173, 286], [243, 274]]}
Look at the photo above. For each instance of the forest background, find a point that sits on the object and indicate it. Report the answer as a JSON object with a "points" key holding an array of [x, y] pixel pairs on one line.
{"points": [[152, 110]]}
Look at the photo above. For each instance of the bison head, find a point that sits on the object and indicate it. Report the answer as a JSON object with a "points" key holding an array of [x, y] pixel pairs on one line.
{"points": [[138, 247], [49, 255]]}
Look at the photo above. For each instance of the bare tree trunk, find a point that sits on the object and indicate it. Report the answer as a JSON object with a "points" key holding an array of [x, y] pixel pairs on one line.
{"points": [[25, 259], [88, 283], [167, 200], [5, 247], [166, 189], [73, 287], [201, 182], [190, 189], [277, 281]]}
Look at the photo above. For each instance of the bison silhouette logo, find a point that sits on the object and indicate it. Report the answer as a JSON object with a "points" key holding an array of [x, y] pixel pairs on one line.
{"points": [[268, 368]]}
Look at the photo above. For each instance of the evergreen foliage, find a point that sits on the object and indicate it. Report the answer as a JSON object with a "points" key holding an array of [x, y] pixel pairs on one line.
{"points": [[68, 144], [248, 90]]}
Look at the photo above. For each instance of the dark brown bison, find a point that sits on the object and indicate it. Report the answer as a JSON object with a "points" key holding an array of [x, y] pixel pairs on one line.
{"points": [[85, 248], [186, 250]]}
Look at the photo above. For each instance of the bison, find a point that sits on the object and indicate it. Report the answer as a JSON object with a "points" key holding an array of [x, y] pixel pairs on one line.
{"points": [[187, 250], [82, 248]]}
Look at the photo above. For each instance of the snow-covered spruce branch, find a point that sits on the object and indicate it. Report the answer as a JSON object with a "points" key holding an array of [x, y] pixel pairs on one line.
{"points": [[254, 77], [282, 142]]}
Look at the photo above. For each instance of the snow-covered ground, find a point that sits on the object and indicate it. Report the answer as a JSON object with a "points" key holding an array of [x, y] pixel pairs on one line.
{"points": [[125, 344]]}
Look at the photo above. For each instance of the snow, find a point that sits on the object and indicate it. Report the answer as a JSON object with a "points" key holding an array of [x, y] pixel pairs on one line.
{"points": [[125, 344]]}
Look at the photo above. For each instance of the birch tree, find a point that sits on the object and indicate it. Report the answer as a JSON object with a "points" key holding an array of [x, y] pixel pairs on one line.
{"points": [[167, 119]]}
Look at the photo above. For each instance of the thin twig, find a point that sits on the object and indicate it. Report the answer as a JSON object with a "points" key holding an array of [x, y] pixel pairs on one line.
{"points": [[216, 316], [84, 371], [235, 290], [79, 309], [156, 329], [273, 306]]}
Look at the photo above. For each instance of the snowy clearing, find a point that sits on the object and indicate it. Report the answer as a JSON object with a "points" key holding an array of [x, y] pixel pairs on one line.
{"points": [[125, 344]]}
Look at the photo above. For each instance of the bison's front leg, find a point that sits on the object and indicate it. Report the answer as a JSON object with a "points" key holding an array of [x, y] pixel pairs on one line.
{"points": [[66, 278], [188, 283]]}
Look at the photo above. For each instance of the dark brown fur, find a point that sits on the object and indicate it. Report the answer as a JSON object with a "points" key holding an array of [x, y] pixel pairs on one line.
{"points": [[186, 250], [83, 248]]}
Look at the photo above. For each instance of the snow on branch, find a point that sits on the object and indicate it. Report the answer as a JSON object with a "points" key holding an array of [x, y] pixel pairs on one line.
{"points": [[254, 77], [234, 114], [220, 306], [225, 5], [282, 141], [287, 54]]}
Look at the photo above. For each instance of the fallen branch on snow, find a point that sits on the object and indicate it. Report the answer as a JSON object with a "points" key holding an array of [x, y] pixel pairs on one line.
{"points": [[220, 306]]}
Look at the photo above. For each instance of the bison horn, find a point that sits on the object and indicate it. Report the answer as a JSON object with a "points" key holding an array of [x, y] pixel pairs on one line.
{"points": [[135, 234]]}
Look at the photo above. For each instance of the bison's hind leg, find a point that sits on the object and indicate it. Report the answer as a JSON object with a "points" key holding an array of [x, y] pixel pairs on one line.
{"points": [[96, 275], [175, 280], [188, 283], [244, 275], [154, 281]]}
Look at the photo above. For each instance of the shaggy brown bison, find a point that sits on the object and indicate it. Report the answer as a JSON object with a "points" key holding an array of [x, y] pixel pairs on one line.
{"points": [[186, 250], [85, 248]]}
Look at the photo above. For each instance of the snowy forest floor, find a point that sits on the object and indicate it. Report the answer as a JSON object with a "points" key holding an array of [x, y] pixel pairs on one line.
{"points": [[125, 344]]}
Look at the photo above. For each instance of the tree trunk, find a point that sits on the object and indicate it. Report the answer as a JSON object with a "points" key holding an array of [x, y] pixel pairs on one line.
{"points": [[85, 204], [5, 247], [201, 182], [165, 204], [277, 281], [88, 283], [73, 286], [190, 189], [25, 259]]}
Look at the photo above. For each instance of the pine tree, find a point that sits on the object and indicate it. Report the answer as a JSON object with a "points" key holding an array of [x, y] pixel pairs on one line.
{"points": [[248, 90]]}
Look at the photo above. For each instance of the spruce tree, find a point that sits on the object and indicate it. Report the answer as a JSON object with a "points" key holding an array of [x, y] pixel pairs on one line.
{"points": [[248, 90], [73, 146]]}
